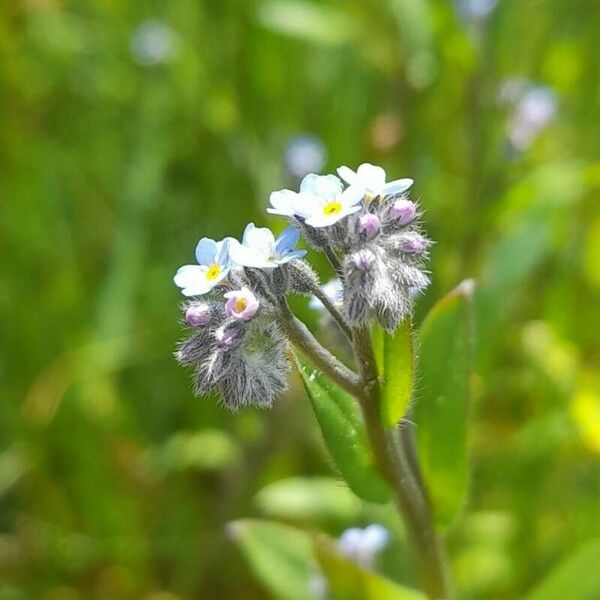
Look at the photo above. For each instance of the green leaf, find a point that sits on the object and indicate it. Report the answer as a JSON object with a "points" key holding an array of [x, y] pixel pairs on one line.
{"points": [[344, 433], [441, 410], [208, 449], [577, 578], [398, 369], [348, 581], [309, 498], [280, 556]]}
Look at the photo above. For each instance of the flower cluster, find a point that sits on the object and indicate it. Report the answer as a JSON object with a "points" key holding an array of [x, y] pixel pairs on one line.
{"points": [[368, 230]]}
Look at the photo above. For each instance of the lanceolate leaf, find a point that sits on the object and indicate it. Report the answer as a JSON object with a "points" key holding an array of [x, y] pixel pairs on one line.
{"points": [[280, 556], [398, 371], [440, 412], [348, 581], [344, 433], [577, 578]]}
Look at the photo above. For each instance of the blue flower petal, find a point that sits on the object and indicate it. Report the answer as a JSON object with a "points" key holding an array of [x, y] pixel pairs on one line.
{"points": [[206, 251]]}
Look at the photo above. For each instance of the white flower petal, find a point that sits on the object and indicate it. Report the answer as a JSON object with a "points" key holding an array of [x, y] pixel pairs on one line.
{"points": [[397, 186], [327, 187], [371, 176], [347, 174], [188, 275], [192, 278], [249, 257], [259, 238], [283, 202], [352, 195]]}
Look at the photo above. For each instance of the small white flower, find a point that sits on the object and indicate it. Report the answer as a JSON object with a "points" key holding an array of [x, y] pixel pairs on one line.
{"points": [[260, 249], [213, 266], [371, 180], [362, 545]]}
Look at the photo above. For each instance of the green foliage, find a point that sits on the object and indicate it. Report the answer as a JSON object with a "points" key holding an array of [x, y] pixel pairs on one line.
{"points": [[307, 499], [399, 373], [344, 433], [576, 578], [442, 407], [110, 171], [280, 556], [348, 581]]}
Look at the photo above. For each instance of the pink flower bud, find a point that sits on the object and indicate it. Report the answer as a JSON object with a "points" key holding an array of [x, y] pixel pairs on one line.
{"points": [[198, 315], [370, 225], [363, 259], [413, 245], [241, 304], [403, 211], [226, 337]]}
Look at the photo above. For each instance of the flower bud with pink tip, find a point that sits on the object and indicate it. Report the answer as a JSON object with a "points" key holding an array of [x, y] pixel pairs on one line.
{"points": [[198, 315], [403, 211], [370, 225]]}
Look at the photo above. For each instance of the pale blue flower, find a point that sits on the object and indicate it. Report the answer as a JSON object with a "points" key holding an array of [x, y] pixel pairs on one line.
{"points": [[261, 250], [213, 266], [371, 180]]}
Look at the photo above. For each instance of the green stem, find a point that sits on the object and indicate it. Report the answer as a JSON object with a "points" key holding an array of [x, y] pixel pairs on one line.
{"points": [[410, 496], [300, 335]]}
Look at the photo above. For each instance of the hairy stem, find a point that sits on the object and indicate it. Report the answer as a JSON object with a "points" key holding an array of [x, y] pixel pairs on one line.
{"points": [[333, 311], [390, 452], [334, 261], [299, 334]]}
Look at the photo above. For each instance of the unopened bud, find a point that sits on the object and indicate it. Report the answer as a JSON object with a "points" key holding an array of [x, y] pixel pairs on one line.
{"points": [[363, 259], [413, 244], [370, 225], [198, 315], [403, 211], [226, 337]]}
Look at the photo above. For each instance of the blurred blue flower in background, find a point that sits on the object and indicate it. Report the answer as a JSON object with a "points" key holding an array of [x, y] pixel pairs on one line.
{"points": [[153, 42], [332, 289], [304, 154], [363, 545], [533, 108], [476, 10]]}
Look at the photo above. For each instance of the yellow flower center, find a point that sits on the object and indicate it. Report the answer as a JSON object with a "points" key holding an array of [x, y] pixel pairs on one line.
{"points": [[369, 197], [240, 305], [332, 208], [213, 272]]}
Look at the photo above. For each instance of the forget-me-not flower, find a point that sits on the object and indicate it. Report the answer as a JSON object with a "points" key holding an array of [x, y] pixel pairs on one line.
{"points": [[260, 249], [371, 180], [321, 201], [213, 266]]}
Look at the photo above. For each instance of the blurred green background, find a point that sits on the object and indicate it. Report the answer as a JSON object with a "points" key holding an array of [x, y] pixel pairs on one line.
{"points": [[129, 129]]}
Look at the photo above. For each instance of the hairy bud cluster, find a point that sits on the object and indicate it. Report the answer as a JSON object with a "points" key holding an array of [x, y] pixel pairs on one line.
{"points": [[368, 230]]}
